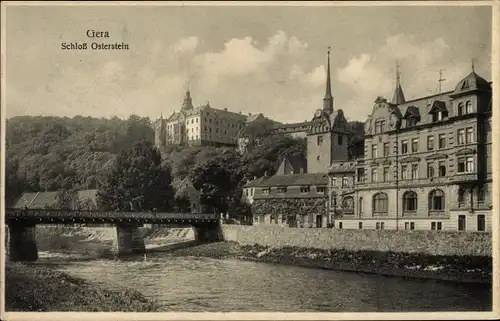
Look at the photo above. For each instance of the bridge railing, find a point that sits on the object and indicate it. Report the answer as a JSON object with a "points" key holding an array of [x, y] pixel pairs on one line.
{"points": [[47, 213]]}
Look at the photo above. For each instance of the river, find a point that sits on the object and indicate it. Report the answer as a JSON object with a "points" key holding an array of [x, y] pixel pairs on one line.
{"points": [[191, 284]]}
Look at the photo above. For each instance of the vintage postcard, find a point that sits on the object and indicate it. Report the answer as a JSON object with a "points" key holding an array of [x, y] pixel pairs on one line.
{"points": [[250, 160]]}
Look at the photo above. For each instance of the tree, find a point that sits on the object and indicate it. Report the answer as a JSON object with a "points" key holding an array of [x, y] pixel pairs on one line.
{"points": [[254, 132], [217, 179], [267, 156], [182, 204], [14, 186], [136, 181]]}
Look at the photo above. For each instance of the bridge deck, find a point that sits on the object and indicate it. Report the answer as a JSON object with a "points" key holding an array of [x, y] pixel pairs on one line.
{"points": [[83, 216]]}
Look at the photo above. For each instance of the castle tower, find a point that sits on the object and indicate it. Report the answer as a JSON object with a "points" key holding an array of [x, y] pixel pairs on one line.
{"points": [[328, 100], [398, 97], [187, 104]]}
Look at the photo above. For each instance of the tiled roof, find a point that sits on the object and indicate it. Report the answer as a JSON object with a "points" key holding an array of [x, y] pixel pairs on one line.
{"points": [[254, 183], [49, 199], [292, 180]]}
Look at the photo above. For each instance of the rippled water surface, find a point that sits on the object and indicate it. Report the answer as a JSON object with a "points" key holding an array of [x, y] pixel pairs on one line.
{"points": [[201, 284]]}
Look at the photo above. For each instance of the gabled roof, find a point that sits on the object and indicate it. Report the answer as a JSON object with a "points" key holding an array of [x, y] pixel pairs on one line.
{"points": [[186, 189], [438, 105], [295, 164]]}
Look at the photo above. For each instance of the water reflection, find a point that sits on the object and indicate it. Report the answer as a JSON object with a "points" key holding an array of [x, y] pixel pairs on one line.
{"points": [[202, 284]]}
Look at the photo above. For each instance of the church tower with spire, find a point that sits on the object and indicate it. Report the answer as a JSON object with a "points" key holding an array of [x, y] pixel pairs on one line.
{"points": [[327, 138], [398, 97], [328, 100]]}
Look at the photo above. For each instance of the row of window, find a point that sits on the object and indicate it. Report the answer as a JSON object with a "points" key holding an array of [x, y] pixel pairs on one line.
{"points": [[465, 165], [464, 136], [435, 225], [303, 190], [437, 115], [207, 120]]}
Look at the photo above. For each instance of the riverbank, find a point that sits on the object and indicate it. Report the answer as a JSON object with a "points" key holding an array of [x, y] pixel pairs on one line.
{"points": [[463, 269], [39, 288]]}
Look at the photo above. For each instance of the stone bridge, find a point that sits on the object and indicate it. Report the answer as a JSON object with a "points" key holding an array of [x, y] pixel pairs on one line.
{"points": [[22, 223]]}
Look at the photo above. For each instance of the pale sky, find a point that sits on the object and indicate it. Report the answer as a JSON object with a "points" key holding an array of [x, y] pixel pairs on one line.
{"points": [[251, 59]]}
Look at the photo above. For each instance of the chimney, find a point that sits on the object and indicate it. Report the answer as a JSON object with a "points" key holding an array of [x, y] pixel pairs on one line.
{"points": [[249, 114], [255, 177], [265, 174], [240, 111], [225, 109]]}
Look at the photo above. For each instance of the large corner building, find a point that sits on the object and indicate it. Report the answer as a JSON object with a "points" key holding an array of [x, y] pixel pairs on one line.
{"points": [[426, 165]]}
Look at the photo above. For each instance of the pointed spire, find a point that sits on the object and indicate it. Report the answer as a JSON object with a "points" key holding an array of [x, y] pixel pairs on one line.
{"points": [[398, 97], [328, 100]]}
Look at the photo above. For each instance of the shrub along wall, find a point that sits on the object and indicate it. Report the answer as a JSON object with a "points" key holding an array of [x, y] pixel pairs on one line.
{"points": [[424, 242]]}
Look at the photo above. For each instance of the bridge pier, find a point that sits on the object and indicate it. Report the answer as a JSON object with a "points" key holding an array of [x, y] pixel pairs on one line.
{"points": [[208, 233], [22, 242], [128, 240]]}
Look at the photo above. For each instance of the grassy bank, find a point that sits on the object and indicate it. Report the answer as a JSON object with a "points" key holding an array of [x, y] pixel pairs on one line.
{"points": [[451, 268], [32, 287]]}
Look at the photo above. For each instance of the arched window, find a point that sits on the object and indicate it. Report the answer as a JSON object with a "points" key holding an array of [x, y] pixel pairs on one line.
{"points": [[410, 202], [461, 196], [380, 204], [348, 204], [436, 200], [461, 109], [468, 107]]}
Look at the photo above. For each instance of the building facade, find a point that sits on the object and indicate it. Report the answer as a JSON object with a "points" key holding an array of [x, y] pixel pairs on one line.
{"points": [[296, 195], [199, 126], [426, 166]]}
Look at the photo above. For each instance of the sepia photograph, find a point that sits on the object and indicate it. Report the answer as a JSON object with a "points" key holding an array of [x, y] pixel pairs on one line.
{"points": [[279, 157]]}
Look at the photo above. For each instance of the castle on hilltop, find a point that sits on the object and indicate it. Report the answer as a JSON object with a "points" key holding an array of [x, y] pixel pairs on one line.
{"points": [[202, 126]]}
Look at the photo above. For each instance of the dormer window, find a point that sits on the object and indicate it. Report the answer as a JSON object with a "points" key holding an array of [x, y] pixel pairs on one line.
{"points": [[465, 85], [412, 116], [438, 111], [437, 116]]}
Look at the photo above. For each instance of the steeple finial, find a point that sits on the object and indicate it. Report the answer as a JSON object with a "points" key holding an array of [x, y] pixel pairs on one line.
{"points": [[472, 61], [398, 74], [328, 100], [398, 97], [440, 81]]}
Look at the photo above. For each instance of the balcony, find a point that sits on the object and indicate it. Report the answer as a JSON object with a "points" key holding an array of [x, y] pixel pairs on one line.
{"points": [[463, 177]]}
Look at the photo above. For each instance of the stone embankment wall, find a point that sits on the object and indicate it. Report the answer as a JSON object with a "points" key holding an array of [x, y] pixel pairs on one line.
{"points": [[434, 243]]}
